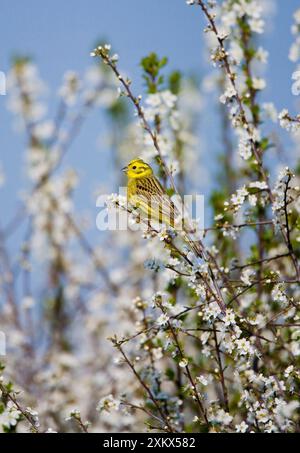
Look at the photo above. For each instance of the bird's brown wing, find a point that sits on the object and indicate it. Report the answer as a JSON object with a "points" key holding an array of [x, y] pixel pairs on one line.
{"points": [[151, 198]]}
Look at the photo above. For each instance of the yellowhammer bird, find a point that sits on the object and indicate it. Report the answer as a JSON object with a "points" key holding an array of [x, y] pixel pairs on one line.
{"points": [[145, 192]]}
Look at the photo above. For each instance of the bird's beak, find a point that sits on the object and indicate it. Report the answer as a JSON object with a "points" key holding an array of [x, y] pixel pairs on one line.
{"points": [[124, 170]]}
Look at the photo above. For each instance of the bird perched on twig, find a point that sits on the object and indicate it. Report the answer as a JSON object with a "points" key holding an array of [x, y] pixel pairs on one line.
{"points": [[145, 193]]}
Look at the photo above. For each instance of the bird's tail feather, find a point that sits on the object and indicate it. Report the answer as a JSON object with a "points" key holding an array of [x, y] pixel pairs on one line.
{"points": [[199, 251]]}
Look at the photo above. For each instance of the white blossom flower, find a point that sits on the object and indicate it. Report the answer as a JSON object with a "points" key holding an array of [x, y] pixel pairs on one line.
{"points": [[219, 217], [34, 416], [252, 200], [200, 291], [159, 104], [108, 403], [230, 92], [262, 415], [163, 319], [285, 121], [244, 347], [245, 276], [44, 130], [210, 312], [239, 197], [262, 55], [288, 370], [258, 83], [278, 294], [245, 147], [10, 416], [163, 235], [202, 380], [257, 320], [241, 428], [258, 185], [222, 417], [183, 362], [229, 318]]}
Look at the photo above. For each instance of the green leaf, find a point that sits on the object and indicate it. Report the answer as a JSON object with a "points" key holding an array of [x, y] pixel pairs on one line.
{"points": [[175, 82], [170, 374]]}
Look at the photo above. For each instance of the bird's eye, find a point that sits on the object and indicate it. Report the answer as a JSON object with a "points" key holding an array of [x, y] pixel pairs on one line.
{"points": [[134, 167]]}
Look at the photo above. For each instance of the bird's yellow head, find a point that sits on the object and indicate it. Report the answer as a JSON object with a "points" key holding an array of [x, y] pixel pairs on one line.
{"points": [[137, 169]]}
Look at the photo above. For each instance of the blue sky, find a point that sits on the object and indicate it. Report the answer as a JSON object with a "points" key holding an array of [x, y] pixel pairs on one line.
{"points": [[59, 36]]}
